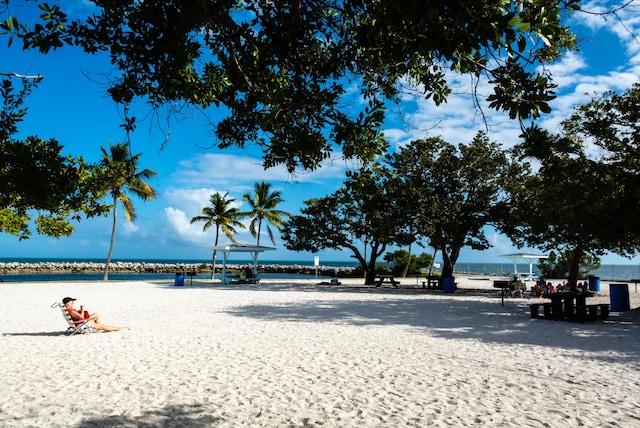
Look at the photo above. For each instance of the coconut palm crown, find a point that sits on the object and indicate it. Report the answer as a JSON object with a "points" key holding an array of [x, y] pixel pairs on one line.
{"points": [[262, 203]]}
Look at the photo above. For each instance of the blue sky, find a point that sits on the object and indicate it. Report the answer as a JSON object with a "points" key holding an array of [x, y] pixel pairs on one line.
{"points": [[71, 106]]}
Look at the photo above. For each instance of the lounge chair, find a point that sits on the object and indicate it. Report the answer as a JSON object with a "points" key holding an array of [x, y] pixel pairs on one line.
{"points": [[82, 328]]}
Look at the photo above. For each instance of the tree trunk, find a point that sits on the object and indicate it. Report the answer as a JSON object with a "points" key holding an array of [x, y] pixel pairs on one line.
{"points": [[377, 250], [368, 267], [406, 266], [370, 271], [447, 265], [370, 277], [213, 265], [574, 269], [433, 260], [213, 258], [113, 239], [259, 227], [449, 259]]}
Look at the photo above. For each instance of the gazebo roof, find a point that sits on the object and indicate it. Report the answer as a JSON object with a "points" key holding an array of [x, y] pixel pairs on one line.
{"points": [[242, 248], [525, 256]]}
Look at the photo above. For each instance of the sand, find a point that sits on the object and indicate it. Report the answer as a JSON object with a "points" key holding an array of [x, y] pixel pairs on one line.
{"points": [[297, 354]]}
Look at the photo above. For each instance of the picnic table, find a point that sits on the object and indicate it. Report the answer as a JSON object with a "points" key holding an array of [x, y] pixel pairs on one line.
{"points": [[432, 283], [568, 305], [386, 277]]}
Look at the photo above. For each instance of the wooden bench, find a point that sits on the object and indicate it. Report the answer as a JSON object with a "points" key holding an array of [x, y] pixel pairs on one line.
{"points": [[535, 310], [590, 312], [583, 313]]}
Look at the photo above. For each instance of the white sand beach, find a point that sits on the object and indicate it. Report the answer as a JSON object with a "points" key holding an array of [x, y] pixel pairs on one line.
{"points": [[297, 354]]}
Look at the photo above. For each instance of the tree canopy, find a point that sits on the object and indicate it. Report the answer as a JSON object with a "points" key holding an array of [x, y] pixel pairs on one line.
{"points": [[560, 265], [359, 217], [36, 178], [302, 78], [585, 195], [429, 190], [451, 193]]}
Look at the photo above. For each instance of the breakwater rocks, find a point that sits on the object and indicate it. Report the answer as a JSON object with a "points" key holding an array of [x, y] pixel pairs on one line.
{"points": [[150, 267]]}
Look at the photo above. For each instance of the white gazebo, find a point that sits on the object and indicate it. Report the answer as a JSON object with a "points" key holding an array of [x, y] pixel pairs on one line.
{"points": [[516, 257], [254, 250]]}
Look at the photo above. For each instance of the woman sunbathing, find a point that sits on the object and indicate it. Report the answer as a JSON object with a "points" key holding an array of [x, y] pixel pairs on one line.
{"points": [[80, 316]]}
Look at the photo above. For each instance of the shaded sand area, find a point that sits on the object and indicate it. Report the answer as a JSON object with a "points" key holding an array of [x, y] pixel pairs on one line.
{"points": [[296, 354]]}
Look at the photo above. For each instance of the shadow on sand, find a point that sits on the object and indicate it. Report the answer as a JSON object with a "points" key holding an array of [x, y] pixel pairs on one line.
{"points": [[460, 317]]}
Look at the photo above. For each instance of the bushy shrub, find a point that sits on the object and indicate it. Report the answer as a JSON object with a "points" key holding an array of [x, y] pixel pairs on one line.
{"points": [[396, 261], [558, 265]]}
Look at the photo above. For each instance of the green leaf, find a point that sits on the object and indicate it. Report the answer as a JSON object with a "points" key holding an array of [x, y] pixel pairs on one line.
{"points": [[514, 21], [525, 26]]}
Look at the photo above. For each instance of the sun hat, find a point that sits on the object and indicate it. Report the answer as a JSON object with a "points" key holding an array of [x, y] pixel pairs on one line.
{"points": [[67, 300]]}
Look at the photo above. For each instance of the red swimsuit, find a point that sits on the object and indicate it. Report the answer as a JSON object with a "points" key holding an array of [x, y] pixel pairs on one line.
{"points": [[85, 315]]}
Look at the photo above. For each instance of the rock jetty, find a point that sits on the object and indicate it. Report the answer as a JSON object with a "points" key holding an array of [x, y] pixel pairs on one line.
{"points": [[151, 267]]}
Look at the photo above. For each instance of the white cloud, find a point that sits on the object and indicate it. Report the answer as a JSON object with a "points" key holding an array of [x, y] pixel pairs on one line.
{"points": [[179, 226], [238, 173], [191, 201], [565, 70], [129, 228], [176, 223]]}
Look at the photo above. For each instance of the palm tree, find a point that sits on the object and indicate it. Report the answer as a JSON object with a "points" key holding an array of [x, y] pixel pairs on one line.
{"points": [[119, 173], [219, 213], [263, 203]]}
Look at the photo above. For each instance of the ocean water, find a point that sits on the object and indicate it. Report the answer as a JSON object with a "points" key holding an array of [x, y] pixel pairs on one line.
{"points": [[606, 272]]}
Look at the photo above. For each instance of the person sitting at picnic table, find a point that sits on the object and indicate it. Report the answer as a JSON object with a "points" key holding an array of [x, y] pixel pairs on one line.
{"points": [[80, 315], [514, 286], [564, 286], [540, 287], [550, 288]]}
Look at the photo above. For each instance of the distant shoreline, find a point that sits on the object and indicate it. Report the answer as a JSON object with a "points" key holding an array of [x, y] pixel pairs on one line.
{"points": [[44, 267], [23, 266]]}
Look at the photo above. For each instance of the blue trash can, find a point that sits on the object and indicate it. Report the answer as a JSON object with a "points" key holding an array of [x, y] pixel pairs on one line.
{"points": [[179, 280], [619, 295], [448, 284], [594, 284]]}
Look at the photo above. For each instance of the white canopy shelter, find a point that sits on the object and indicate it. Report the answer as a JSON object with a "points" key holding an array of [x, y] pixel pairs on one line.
{"points": [[516, 257], [226, 250]]}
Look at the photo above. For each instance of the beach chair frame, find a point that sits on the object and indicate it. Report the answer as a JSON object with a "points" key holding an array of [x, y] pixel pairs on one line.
{"points": [[73, 328]]}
